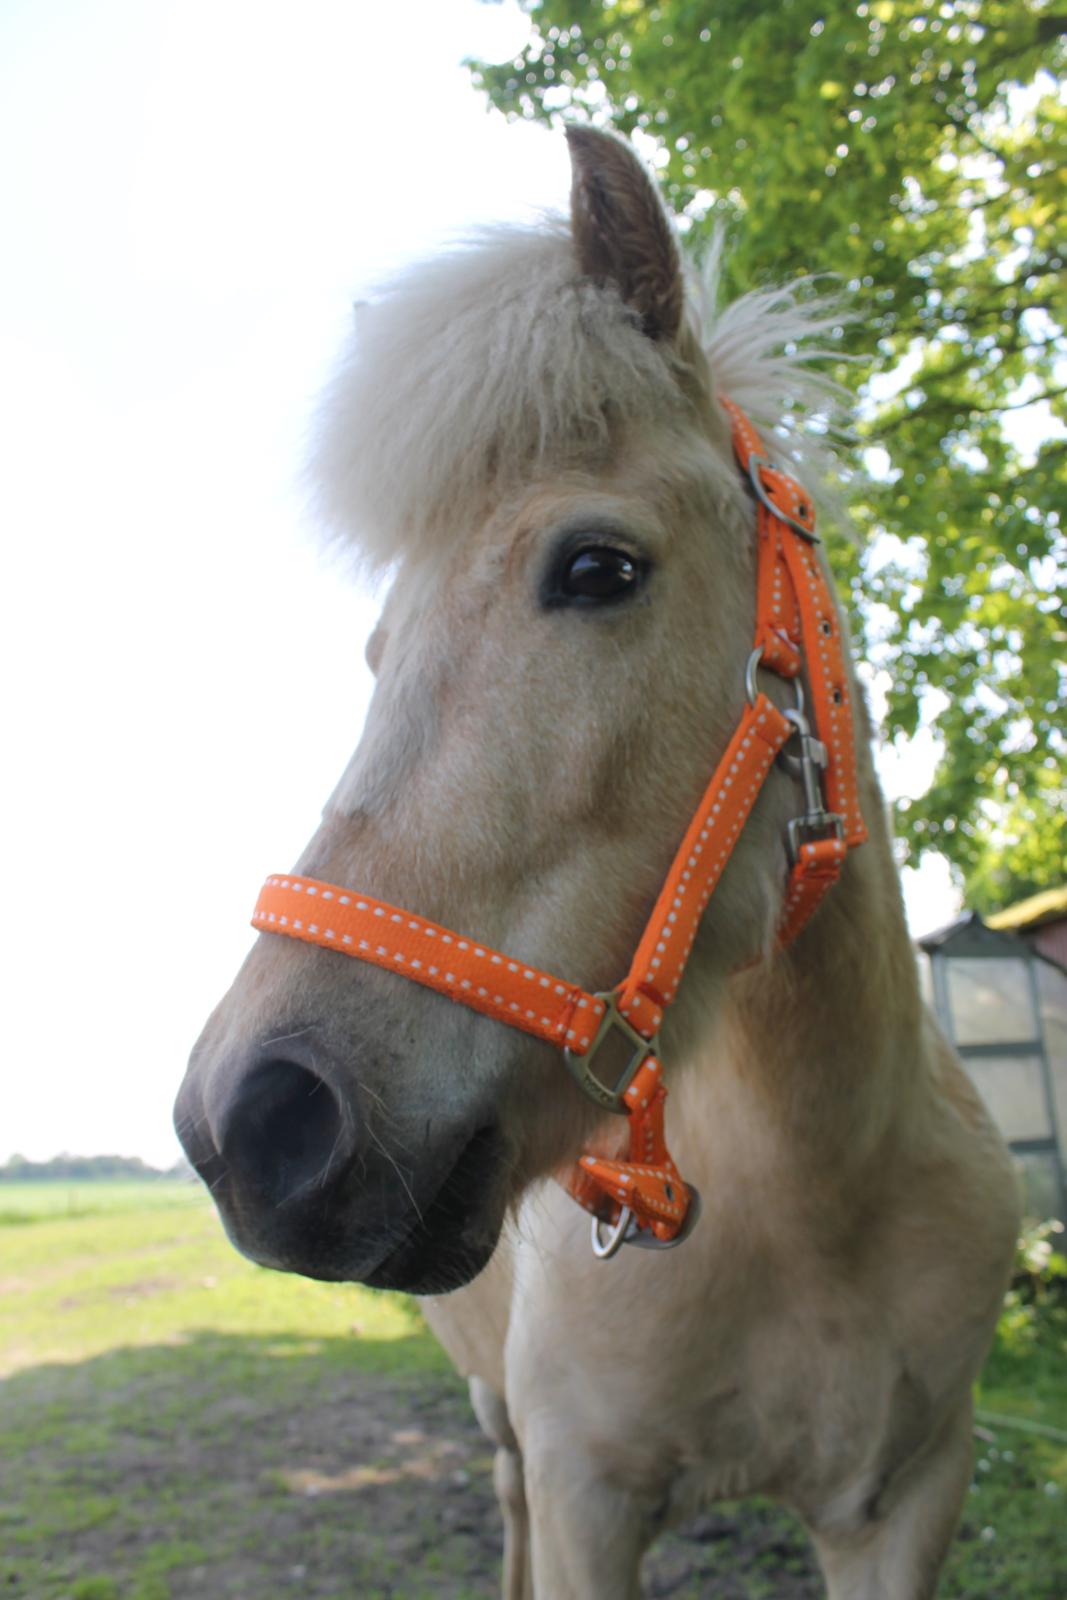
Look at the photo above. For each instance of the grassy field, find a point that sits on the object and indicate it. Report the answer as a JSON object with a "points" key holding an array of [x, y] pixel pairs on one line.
{"points": [[34, 1201], [176, 1422]]}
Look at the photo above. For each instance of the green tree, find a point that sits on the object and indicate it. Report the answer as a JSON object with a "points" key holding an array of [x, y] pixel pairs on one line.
{"points": [[915, 148], [70, 1168]]}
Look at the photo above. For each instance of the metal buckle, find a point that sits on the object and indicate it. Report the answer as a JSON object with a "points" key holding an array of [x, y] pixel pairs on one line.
{"points": [[756, 464], [626, 1231], [610, 1096], [823, 824]]}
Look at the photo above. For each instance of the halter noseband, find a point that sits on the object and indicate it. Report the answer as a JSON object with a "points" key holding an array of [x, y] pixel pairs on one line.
{"points": [[643, 1199]]}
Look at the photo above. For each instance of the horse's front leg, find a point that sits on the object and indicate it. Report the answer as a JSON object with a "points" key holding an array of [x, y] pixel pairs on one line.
{"points": [[899, 1555], [587, 1535], [509, 1480]]}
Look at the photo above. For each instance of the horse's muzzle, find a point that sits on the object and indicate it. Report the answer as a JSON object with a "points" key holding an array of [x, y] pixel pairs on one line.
{"points": [[302, 1187]]}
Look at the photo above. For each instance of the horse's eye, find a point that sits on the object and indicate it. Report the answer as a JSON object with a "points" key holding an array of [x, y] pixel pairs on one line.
{"points": [[597, 575]]}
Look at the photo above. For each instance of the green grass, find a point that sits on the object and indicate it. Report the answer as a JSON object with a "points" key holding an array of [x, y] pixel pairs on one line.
{"points": [[1014, 1539], [165, 1406], [143, 1273], [25, 1200], [176, 1422]]}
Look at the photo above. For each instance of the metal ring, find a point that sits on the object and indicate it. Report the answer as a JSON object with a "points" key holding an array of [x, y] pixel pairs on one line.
{"points": [[605, 1249], [645, 1239], [756, 465], [752, 687]]}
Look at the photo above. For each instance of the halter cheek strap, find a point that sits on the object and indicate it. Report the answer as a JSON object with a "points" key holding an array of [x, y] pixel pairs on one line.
{"points": [[610, 1040]]}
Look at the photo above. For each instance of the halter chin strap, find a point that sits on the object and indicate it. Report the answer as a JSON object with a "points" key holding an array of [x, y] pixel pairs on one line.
{"points": [[610, 1040]]}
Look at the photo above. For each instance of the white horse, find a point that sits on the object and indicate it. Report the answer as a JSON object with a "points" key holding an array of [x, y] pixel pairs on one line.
{"points": [[529, 431]]}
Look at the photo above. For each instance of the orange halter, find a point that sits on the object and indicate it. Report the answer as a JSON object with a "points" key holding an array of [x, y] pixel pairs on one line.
{"points": [[643, 1199]]}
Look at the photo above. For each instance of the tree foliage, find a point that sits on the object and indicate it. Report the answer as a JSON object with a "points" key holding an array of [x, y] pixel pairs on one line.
{"points": [[915, 148]]}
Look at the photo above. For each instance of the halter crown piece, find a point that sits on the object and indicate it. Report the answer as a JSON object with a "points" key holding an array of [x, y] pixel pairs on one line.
{"points": [[643, 1200]]}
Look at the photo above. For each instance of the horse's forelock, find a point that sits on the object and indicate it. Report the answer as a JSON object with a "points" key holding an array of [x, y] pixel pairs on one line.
{"points": [[770, 351], [497, 360], [491, 361]]}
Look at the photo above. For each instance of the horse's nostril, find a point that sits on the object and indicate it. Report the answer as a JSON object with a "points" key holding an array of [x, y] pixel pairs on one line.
{"points": [[285, 1133]]}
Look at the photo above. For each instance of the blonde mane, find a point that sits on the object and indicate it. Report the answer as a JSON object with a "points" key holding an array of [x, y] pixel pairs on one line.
{"points": [[497, 358]]}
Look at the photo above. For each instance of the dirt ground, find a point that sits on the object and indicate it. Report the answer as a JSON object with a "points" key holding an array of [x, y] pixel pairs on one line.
{"points": [[427, 1506], [175, 1422], [301, 1479]]}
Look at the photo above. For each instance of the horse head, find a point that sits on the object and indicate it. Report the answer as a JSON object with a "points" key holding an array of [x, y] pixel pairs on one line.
{"points": [[527, 433]]}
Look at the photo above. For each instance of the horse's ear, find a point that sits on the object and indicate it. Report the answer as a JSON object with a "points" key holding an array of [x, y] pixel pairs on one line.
{"points": [[621, 232]]}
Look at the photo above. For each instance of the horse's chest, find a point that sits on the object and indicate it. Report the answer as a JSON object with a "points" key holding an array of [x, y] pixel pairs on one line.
{"points": [[711, 1396], [805, 1435]]}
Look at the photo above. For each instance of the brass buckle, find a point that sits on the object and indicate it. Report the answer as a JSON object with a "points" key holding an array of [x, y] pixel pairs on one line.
{"points": [[610, 1095]]}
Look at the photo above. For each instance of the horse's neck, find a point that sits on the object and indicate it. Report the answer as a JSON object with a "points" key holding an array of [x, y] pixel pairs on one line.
{"points": [[822, 1047]]}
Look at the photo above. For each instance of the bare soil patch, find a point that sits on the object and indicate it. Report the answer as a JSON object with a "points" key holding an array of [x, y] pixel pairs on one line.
{"points": [[236, 1467]]}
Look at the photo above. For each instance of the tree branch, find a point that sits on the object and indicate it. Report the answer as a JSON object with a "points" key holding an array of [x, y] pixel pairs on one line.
{"points": [[936, 405]]}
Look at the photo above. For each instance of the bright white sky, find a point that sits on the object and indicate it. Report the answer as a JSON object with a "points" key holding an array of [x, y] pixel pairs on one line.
{"points": [[192, 193]]}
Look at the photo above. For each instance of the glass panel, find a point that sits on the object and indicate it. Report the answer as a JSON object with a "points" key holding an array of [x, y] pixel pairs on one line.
{"points": [[1058, 1070], [1040, 1186], [1052, 988], [990, 1000], [1012, 1090]]}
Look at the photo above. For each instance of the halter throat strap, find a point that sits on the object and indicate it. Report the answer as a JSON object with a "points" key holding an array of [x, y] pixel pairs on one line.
{"points": [[643, 1199]]}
